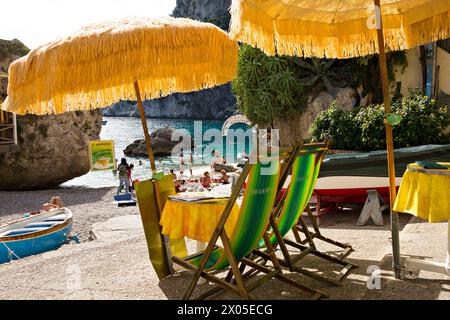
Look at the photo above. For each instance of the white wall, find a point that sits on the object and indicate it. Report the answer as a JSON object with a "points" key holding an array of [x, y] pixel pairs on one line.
{"points": [[412, 76]]}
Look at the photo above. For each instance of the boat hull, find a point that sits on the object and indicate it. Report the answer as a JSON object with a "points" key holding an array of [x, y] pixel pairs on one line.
{"points": [[20, 246]]}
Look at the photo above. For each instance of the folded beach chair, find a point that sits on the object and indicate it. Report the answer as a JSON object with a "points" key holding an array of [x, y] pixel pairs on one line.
{"points": [[288, 215], [251, 227]]}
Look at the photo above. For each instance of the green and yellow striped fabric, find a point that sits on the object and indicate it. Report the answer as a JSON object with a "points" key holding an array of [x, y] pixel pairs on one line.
{"points": [[254, 214], [305, 171]]}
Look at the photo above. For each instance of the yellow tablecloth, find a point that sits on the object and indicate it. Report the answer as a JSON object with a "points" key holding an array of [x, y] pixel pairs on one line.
{"points": [[195, 220], [425, 193]]}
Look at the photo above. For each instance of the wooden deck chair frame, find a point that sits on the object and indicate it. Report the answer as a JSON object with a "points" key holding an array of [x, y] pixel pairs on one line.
{"points": [[291, 262], [235, 280]]}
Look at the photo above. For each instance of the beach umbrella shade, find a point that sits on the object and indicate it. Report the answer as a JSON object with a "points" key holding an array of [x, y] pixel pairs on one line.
{"points": [[344, 29], [129, 59]]}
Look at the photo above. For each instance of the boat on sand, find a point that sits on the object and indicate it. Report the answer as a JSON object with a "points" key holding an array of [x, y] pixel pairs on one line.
{"points": [[35, 234]]}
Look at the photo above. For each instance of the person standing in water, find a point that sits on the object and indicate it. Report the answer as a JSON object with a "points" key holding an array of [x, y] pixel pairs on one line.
{"points": [[189, 163], [123, 176], [182, 164]]}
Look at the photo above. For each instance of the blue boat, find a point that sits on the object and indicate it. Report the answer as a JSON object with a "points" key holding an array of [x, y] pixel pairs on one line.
{"points": [[35, 234]]}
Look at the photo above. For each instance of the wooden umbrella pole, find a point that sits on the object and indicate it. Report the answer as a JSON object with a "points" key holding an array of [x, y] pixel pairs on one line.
{"points": [[389, 142], [148, 141]]}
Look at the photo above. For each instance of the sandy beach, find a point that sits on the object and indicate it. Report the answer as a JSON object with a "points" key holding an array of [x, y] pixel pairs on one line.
{"points": [[89, 206], [119, 267]]}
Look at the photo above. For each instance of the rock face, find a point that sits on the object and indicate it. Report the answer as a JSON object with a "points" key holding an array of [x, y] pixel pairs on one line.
{"points": [[296, 129], [51, 150], [162, 144], [214, 11], [211, 104]]}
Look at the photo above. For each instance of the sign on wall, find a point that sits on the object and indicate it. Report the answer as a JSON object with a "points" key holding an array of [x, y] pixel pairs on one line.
{"points": [[102, 155]]}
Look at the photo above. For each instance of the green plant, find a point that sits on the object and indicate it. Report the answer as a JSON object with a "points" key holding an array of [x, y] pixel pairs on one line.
{"points": [[423, 122], [319, 73], [396, 60], [266, 87], [370, 120], [339, 126]]}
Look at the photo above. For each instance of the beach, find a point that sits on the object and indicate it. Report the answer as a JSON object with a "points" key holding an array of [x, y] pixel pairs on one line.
{"points": [[89, 206], [119, 268]]}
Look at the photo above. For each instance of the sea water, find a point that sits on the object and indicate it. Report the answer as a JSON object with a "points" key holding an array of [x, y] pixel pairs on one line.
{"points": [[124, 131]]}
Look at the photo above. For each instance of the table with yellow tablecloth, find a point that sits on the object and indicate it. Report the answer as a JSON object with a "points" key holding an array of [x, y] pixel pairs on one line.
{"points": [[196, 220], [425, 193]]}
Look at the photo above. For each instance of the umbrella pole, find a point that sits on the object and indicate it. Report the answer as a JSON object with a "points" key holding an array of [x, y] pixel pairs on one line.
{"points": [[390, 144], [144, 127]]}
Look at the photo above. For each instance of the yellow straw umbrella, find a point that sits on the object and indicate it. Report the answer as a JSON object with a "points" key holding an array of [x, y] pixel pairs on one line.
{"points": [[344, 29], [103, 63], [126, 59]]}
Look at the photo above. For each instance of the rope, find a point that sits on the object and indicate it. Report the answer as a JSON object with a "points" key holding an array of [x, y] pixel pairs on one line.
{"points": [[10, 252]]}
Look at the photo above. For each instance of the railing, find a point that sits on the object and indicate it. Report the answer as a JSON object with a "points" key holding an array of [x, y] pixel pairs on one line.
{"points": [[8, 130]]}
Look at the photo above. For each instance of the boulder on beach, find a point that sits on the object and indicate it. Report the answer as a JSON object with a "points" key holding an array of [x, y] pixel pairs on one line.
{"points": [[162, 144], [51, 150], [226, 167]]}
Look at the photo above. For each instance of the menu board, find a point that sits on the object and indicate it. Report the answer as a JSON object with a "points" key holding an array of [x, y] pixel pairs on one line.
{"points": [[102, 155]]}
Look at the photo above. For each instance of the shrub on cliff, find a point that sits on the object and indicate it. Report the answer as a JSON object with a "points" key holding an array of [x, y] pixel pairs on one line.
{"points": [[423, 122], [338, 125]]}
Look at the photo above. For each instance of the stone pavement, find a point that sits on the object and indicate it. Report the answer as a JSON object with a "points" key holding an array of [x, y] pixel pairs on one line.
{"points": [[118, 267]]}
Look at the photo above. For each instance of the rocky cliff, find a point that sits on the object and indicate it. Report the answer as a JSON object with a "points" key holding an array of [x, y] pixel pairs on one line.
{"points": [[211, 104], [51, 149], [214, 11], [9, 51]]}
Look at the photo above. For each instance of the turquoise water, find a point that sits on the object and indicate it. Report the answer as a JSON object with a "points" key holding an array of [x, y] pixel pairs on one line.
{"points": [[124, 131]]}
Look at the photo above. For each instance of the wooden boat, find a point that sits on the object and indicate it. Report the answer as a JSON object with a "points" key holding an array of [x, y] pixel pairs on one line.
{"points": [[35, 234]]}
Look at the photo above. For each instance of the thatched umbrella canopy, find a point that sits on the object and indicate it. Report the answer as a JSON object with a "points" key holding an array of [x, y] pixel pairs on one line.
{"points": [[103, 63], [344, 29], [97, 65], [337, 29]]}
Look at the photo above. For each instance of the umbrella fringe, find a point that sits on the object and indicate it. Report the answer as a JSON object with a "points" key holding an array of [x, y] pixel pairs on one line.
{"points": [[97, 66], [250, 24]]}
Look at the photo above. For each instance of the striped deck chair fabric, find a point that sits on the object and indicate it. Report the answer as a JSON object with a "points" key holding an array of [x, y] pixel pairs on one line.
{"points": [[253, 216]]}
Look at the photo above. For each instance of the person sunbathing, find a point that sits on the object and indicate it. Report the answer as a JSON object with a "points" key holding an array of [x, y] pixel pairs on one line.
{"points": [[224, 177], [206, 180], [55, 203]]}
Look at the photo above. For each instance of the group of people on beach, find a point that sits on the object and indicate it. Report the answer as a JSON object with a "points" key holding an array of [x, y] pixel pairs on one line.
{"points": [[206, 180], [124, 171]]}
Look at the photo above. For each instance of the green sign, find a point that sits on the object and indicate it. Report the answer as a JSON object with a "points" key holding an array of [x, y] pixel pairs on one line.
{"points": [[102, 155]]}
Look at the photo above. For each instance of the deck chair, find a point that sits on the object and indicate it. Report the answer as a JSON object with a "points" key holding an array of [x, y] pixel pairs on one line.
{"points": [[288, 216], [251, 226]]}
